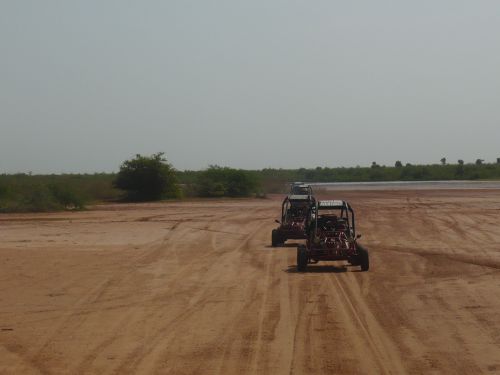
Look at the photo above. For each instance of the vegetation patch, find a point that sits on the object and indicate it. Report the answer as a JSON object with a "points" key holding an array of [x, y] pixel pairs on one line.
{"points": [[24, 194], [152, 178], [147, 178], [226, 182]]}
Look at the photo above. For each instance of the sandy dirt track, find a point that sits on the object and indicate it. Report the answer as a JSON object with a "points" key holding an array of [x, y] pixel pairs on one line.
{"points": [[195, 288]]}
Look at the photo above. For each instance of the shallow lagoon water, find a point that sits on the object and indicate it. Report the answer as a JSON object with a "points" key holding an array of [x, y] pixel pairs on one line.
{"points": [[407, 185]]}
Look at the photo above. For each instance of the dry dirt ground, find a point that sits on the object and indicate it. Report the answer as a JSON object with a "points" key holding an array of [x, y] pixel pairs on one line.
{"points": [[194, 288]]}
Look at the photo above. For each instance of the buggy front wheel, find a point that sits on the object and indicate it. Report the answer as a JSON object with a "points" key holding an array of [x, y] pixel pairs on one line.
{"points": [[301, 258], [275, 238], [363, 258]]}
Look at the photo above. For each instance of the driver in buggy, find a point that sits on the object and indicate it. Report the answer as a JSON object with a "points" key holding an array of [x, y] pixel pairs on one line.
{"points": [[297, 212], [327, 223]]}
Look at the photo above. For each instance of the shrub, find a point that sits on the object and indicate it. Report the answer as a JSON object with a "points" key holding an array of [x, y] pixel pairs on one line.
{"points": [[147, 178], [35, 196], [67, 197], [3, 191], [219, 182], [38, 199]]}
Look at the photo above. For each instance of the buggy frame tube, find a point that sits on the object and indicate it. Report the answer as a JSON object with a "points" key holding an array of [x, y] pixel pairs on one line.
{"points": [[345, 208]]}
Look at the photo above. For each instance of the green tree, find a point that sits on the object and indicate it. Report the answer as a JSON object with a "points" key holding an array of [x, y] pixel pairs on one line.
{"points": [[443, 161], [398, 164], [460, 162], [459, 171], [222, 181], [147, 178], [479, 161]]}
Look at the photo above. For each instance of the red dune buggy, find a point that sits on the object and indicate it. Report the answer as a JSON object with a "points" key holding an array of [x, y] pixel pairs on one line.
{"points": [[294, 212], [331, 235]]}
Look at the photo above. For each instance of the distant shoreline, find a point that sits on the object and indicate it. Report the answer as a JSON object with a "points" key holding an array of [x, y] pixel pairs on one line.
{"points": [[407, 185]]}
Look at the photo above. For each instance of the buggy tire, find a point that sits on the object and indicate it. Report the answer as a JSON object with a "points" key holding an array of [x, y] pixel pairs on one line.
{"points": [[363, 258], [282, 241], [275, 238], [301, 258]]}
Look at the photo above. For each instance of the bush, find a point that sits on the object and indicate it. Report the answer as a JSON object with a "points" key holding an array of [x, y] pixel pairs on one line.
{"points": [[39, 199], [67, 197], [3, 191], [28, 194], [147, 178], [227, 182]]}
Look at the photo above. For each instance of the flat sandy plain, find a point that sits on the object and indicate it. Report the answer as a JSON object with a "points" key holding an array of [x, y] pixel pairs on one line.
{"points": [[194, 288]]}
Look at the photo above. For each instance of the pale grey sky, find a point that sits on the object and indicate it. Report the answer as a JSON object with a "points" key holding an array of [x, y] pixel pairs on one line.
{"points": [[248, 84]]}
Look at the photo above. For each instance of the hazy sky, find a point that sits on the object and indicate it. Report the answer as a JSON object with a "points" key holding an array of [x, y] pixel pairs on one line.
{"points": [[249, 84]]}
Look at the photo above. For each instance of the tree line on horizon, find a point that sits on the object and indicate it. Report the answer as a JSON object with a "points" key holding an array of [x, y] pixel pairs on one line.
{"points": [[151, 178]]}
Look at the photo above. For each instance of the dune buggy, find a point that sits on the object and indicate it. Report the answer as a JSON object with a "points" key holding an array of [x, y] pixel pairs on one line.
{"points": [[331, 235], [294, 213], [299, 188]]}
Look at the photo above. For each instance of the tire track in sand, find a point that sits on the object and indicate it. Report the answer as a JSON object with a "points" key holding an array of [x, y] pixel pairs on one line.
{"points": [[359, 319], [76, 316], [147, 358]]}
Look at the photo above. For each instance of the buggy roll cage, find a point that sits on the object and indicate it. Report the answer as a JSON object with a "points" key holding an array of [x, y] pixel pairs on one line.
{"points": [[293, 198], [345, 210], [300, 188]]}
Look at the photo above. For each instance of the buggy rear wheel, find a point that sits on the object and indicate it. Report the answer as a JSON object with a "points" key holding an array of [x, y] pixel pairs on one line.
{"points": [[363, 258], [301, 258]]}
